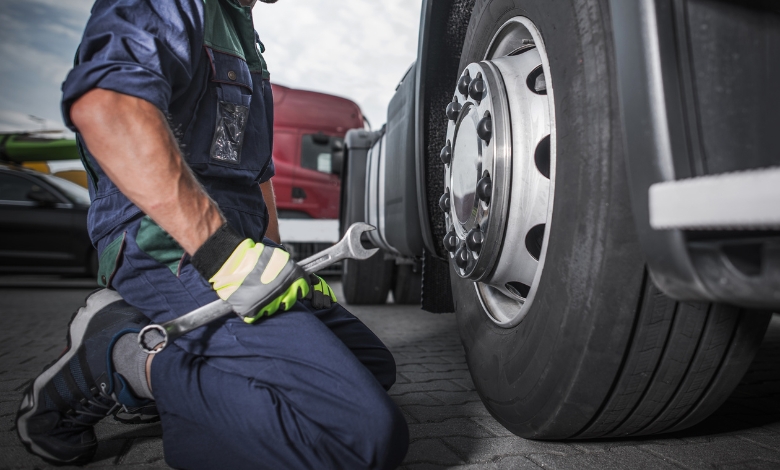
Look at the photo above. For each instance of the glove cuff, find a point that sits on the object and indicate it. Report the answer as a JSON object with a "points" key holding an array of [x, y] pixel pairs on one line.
{"points": [[215, 251]]}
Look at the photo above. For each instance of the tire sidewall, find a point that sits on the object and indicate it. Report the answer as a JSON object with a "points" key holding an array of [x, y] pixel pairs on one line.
{"points": [[545, 377]]}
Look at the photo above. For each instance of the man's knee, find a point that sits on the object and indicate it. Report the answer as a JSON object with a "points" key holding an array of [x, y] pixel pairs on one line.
{"points": [[386, 373], [388, 439]]}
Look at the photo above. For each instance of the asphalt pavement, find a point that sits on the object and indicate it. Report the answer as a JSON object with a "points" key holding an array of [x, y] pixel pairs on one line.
{"points": [[449, 426]]}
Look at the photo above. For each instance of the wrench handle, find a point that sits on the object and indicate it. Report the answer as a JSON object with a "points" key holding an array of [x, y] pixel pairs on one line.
{"points": [[312, 264], [174, 329], [348, 247]]}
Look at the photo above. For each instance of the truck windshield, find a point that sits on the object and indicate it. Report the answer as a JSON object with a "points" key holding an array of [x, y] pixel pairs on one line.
{"points": [[317, 151]]}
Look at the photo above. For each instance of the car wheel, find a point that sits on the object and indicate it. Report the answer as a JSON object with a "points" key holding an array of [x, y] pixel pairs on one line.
{"points": [[565, 334]]}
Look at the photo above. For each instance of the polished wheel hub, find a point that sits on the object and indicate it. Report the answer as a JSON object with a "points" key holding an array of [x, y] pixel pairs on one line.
{"points": [[499, 171]]}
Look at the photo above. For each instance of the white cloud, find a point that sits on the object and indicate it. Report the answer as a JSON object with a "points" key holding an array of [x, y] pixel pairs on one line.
{"points": [[353, 48], [60, 30], [51, 67], [75, 6], [14, 121], [356, 49]]}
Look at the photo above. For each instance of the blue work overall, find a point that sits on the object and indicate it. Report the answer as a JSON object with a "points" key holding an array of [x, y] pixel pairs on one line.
{"points": [[301, 389]]}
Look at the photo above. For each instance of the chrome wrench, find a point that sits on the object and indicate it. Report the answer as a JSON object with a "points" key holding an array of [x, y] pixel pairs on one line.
{"points": [[348, 247]]}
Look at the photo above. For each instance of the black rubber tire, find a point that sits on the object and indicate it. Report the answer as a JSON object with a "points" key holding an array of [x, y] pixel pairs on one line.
{"points": [[365, 282], [602, 352], [407, 287]]}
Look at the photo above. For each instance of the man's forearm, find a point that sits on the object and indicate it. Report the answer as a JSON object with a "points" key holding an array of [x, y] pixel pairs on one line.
{"points": [[131, 140], [272, 231]]}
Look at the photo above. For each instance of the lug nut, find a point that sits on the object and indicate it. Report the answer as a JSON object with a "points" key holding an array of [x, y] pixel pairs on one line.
{"points": [[462, 257], [485, 128], [474, 240], [450, 241], [477, 88], [485, 188], [463, 83], [453, 109], [446, 153], [444, 201]]}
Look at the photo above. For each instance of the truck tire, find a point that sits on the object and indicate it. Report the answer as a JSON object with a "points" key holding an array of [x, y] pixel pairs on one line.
{"points": [[407, 286], [584, 345], [364, 282]]}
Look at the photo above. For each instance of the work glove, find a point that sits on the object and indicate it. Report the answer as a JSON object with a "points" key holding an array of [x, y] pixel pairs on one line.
{"points": [[320, 295], [256, 279]]}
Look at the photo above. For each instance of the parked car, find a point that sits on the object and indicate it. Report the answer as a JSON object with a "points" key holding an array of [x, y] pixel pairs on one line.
{"points": [[592, 187], [43, 224]]}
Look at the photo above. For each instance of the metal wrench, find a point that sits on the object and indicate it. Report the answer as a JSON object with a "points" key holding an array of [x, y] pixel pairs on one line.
{"points": [[348, 247]]}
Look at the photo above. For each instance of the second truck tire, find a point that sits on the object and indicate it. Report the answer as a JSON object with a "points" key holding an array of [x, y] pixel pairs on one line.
{"points": [[365, 282]]}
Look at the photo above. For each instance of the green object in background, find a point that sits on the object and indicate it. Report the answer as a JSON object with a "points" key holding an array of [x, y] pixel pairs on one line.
{"points": [[28, 147]]}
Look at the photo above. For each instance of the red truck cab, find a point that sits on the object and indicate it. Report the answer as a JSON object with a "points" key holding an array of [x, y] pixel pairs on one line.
{"points": [[309, 129]]}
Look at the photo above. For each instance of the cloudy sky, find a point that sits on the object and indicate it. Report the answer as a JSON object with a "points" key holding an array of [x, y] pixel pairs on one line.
{"points": [[358, 49]]}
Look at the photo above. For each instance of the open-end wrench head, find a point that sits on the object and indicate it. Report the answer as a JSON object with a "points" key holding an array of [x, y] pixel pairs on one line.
{"points": [[355, 246]]}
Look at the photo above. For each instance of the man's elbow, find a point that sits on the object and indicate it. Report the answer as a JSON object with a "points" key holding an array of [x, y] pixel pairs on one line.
{"points": [[91, 108], [99, 108]]}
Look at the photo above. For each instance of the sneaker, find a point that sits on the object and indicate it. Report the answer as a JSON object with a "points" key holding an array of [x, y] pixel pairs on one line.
{"points": [[58, 411]]}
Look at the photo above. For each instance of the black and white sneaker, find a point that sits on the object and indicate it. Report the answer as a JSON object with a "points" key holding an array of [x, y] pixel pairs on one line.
{"points": [[58, 411]]}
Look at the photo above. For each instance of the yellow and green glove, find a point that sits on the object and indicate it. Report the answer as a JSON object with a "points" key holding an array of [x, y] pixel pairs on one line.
{"points": [[257, 280]]}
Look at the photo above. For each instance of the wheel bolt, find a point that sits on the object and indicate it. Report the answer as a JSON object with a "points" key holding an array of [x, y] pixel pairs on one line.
{"points": [[453, 109], [474, 240], [485, 188], [477, 88], [450, 241], [463, 83], [485, 128], [444, 201], [462, 257], [446, 154]]}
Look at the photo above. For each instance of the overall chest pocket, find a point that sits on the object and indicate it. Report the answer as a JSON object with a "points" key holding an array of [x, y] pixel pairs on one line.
{"points": [[233, 85]]}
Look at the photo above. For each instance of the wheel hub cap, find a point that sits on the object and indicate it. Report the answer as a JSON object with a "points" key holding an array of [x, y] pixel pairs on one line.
{"points": [[499, 171]]}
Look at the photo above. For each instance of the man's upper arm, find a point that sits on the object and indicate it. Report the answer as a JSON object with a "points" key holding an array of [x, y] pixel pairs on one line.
{"points": [[146, 49]]}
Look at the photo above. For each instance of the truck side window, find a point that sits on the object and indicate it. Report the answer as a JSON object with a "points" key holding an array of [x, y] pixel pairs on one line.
{"points": [[317, 152]]}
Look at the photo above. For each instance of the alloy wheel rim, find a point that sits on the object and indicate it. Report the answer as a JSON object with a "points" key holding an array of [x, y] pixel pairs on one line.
{"points": [[500, 171]]}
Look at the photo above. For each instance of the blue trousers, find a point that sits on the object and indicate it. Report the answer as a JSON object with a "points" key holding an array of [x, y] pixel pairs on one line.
{"points": [[302, 389]]}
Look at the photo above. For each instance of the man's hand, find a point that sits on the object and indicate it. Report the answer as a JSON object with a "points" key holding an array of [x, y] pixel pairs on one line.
{"points": [[320, 294], [256, 279]]}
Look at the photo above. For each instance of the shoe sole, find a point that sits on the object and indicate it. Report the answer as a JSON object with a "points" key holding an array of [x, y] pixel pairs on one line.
{"points": [[138, 418], [30, 404]]}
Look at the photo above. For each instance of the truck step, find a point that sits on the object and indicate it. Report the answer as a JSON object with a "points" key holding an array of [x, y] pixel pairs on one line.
{"points": [[729, 201]]}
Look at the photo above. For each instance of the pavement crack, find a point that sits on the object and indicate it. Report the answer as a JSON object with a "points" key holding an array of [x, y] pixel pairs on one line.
{"points": [[23, 386]]}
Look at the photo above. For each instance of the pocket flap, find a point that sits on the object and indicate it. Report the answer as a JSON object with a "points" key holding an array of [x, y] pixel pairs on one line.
{"points": [[230, 69], [109, 260]]}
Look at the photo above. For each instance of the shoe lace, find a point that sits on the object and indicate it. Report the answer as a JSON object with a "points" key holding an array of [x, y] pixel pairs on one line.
{"points": [[100, 405]]}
